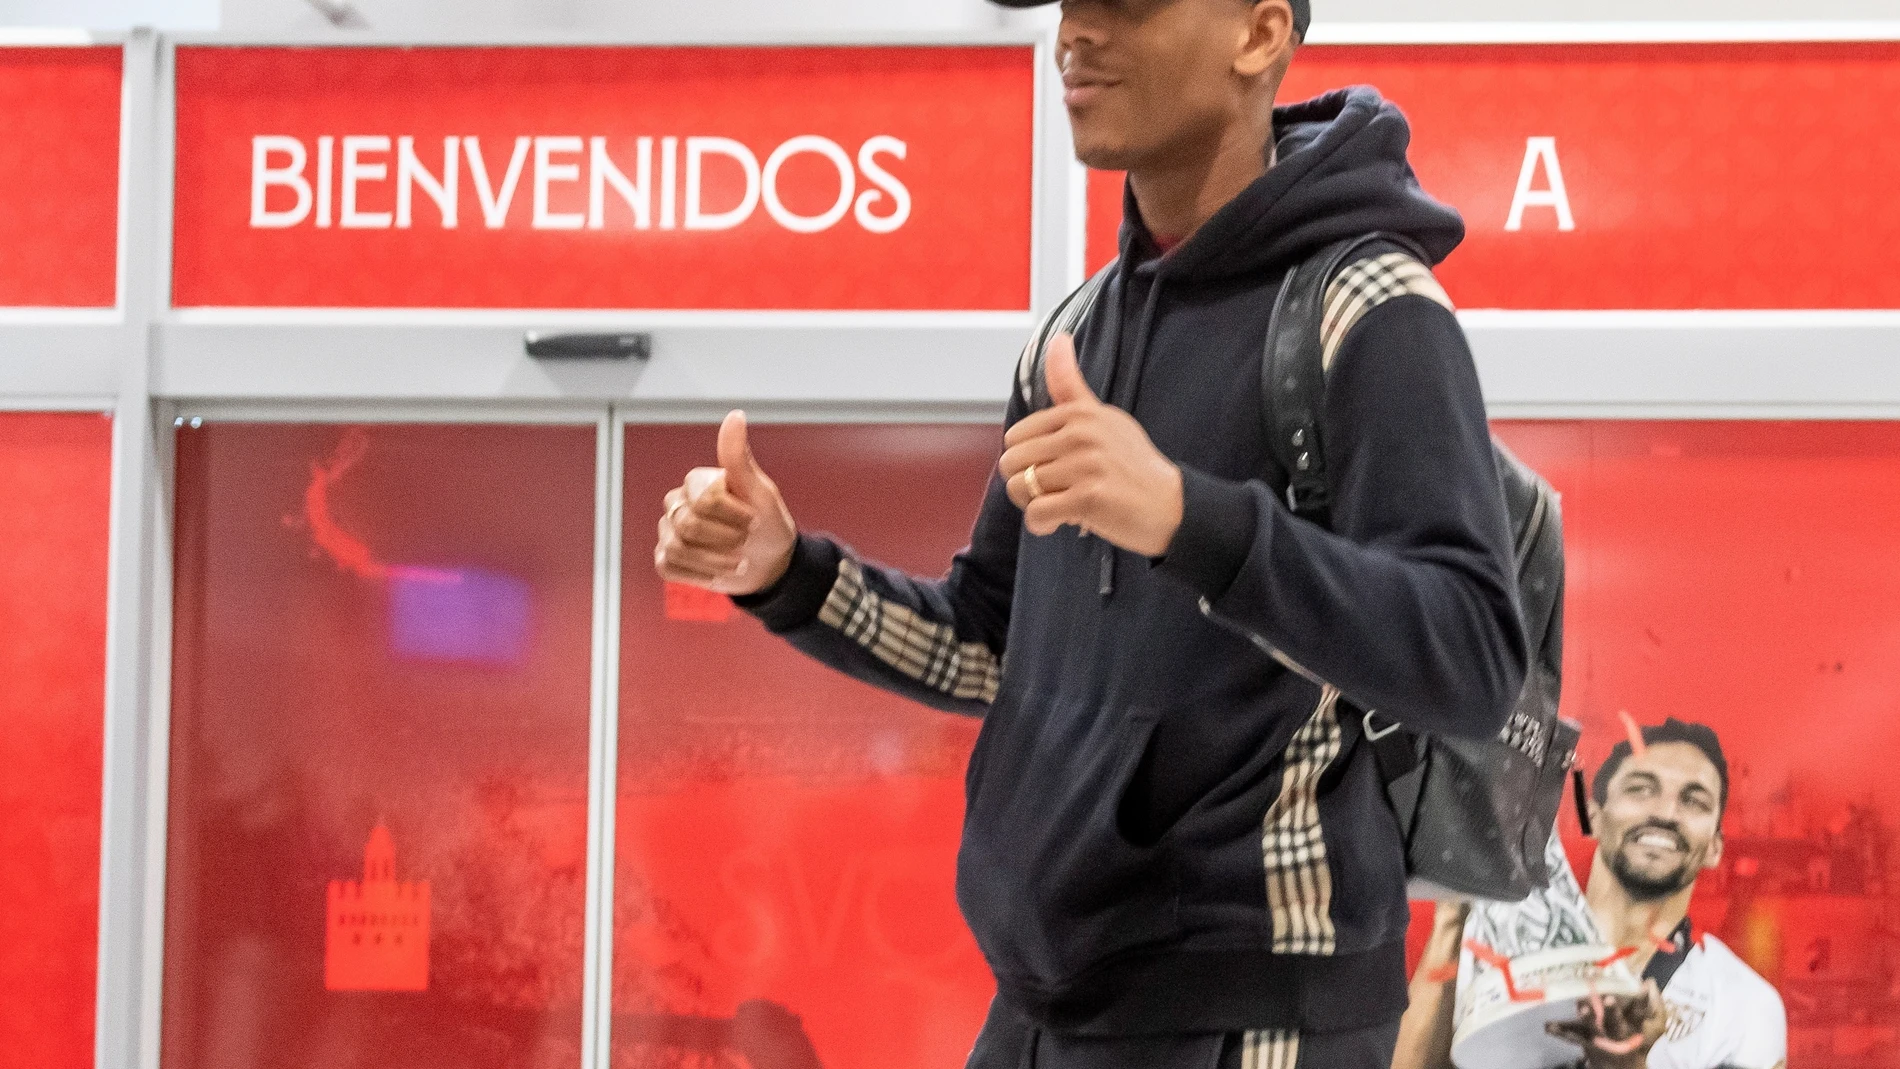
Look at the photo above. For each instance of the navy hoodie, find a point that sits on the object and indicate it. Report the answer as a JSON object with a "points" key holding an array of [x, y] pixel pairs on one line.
{"points": [[1167, 830]]}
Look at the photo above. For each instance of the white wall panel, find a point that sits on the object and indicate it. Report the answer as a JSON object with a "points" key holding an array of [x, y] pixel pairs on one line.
{"points": [[1596, 10], [674, 18], [112, 14], [616, 18]]}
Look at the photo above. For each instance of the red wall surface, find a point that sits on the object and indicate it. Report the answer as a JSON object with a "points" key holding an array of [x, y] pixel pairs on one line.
{"points": [[55, 483], [59, 176]]}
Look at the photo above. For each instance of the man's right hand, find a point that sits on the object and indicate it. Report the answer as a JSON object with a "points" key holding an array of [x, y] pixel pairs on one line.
{"points": [[1617, 1033], [726, 528]]}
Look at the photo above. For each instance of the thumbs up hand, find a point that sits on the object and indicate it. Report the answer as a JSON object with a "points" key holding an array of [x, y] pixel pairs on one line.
{"points": [[726, 528], [1089, 464]]}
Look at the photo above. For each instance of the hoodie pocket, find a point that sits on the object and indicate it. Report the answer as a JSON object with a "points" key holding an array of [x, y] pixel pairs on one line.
{"points": [[1137, 731], [1048, 880], [1137, 817]]}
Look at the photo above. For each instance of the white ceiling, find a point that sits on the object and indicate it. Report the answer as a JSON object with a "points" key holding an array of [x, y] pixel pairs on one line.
{"points": [[687, 18], [692, 17]]}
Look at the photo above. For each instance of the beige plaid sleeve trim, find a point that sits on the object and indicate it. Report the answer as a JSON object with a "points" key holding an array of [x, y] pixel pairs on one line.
{"points": [[1276, 1049], [1299, 880], [927, 652], [1366, 285]]}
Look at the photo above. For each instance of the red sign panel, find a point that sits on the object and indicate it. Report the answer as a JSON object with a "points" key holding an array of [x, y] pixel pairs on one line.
{"points": [[654, 178], [59, 177], [1643, 176]]}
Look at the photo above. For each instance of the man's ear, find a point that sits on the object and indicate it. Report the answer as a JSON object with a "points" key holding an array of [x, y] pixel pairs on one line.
{"points": [[1715, 851], [1268, 41], [1596, 818]]}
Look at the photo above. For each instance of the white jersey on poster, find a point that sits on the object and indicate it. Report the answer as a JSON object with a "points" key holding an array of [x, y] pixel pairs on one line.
{"points": [[1721, 1013]]}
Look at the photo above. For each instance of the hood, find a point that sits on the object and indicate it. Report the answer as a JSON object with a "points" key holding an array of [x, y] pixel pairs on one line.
{"points": [[1340, 172]]}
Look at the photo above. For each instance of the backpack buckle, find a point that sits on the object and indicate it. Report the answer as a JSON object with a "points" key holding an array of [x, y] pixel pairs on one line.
{"points": [[1305, 499]]}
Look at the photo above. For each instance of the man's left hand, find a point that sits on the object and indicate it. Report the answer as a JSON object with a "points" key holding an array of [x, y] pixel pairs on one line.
{"points": [[1094, 466]]}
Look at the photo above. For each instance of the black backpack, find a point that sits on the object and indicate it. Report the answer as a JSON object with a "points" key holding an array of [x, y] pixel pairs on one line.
{"points": [[1476, 814]]}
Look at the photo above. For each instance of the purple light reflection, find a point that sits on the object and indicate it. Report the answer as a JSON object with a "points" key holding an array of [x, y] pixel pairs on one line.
{"points": [[461, 615]]}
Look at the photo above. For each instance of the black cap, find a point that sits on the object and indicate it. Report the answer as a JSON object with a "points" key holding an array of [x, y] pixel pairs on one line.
{"points": [[1302, 11]]}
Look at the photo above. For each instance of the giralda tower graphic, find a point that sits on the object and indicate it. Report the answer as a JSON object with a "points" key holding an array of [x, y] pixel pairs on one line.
{"points": [[377, 935]]}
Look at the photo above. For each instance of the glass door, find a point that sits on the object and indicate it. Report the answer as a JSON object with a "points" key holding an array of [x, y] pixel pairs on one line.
{"points": [[786, 837], [381, 699]]}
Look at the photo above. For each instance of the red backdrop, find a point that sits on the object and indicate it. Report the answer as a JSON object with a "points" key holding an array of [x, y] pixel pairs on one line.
{"points": [[1698, 176], [55, 480], [964, 116], [59, 177], [1736, 574]]}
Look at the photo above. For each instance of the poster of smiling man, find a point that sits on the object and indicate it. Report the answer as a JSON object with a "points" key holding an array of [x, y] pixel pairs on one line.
{"points": [[1612, 975]]}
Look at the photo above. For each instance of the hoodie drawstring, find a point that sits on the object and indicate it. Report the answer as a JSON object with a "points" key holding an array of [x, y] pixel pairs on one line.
{"points": [[1131, 385]]}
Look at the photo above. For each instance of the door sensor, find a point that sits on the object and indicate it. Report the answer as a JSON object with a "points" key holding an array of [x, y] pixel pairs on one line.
{"points": [[570, 346]]}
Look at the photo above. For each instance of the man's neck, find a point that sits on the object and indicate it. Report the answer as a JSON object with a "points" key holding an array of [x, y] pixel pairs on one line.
{"points": [[1628, 921], [1179, 195]]}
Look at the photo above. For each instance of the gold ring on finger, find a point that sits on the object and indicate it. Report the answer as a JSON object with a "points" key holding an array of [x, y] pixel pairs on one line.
{"points": [[1029, 480]]}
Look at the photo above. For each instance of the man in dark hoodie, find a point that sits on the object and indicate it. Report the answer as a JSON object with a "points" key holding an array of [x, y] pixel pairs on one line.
{"points": [[1176, 848]]}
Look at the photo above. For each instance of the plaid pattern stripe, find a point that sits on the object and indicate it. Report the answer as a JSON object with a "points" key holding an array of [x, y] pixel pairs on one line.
{"points": [[1276, 1049], [927, 652], [1366, 285], [1299, 882]]}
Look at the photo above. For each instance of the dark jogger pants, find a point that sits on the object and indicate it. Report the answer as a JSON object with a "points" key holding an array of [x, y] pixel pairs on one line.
{"points": [[1009, 1042]]}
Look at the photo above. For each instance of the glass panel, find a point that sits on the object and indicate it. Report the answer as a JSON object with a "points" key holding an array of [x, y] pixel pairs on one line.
{"points": [[55, 496], [786, 836], [377, 849], [1742, 575]]}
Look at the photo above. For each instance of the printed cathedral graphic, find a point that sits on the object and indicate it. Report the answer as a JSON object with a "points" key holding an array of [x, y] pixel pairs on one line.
{"points": [[377, 932]]}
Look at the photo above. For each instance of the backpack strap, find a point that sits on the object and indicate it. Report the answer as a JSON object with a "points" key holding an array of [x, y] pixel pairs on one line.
{"points": [[1319, 302], [1065, 318], [1540, 551]]}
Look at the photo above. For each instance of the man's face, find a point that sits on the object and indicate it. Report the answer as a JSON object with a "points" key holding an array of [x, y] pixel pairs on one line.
{"points": [[1660, 824], [1145, 80]]}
